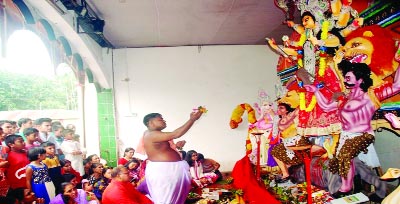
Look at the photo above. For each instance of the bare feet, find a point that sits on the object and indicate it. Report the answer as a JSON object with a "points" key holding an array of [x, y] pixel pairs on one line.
{"points": [[393, 120]]}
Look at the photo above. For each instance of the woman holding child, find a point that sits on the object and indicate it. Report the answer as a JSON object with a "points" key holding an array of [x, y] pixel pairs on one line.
{"points": [[97, 179]]}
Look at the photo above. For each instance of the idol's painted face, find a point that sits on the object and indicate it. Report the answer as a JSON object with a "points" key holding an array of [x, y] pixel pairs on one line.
{"points": [[358, 50], [266, 106], [282, 110], [308, 22], [350, 81]]}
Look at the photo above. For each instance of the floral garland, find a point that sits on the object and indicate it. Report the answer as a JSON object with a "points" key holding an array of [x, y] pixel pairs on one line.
{"points": [[321, 71], [310, 106], [236, 117]]}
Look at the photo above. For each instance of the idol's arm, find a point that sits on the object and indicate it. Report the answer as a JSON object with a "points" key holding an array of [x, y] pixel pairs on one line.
{"points": [[387, 90], [323, 102], [396, 81]]}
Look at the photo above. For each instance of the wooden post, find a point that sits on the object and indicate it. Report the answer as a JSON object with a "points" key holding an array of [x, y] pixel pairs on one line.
{"points": [[257, 135], [307, 163]]}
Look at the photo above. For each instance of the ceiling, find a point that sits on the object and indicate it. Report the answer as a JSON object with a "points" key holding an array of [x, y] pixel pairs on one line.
{"points": [[158, 23]]}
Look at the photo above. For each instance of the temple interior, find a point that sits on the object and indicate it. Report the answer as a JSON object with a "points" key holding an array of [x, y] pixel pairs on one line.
{"points": [[299, 99]]}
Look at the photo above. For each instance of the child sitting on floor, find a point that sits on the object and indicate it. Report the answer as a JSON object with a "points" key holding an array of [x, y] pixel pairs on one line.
{"points": [[199, 179]]}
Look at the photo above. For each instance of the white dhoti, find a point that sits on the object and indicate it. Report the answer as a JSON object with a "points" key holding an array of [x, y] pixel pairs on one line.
{"points": [[168, 182]]}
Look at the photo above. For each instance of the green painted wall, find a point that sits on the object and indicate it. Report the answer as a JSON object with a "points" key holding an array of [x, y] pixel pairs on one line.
{"points": [[108, 144]]}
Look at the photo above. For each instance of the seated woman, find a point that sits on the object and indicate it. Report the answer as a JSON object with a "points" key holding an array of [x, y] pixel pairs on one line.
{"points": [[70, 194], [133, 167], [210, 166], [71, 178], [87, 168], [107, 173], [199, 179], [66, 168], [128, 155], [94, 158], [182, 153], [97, 179]]}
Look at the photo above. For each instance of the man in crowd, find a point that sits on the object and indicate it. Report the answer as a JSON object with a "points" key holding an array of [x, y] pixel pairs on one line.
{"points": [[24, 123], [120, 190]]}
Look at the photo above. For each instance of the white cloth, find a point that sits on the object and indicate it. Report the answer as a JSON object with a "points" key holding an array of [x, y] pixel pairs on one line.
{"points": [[371, 157], [69, 146], [168, 182], [43, 136], [197, 172]]}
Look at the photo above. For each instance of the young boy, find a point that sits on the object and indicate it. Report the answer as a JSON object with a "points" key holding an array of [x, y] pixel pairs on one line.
{"points": [[58, 139], [53, 165], [31, 135], [17, 160], [72, 151]]}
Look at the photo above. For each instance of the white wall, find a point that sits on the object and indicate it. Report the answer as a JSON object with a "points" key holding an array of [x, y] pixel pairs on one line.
{"points": [[387, 146], [173, 81], [92, 138]]}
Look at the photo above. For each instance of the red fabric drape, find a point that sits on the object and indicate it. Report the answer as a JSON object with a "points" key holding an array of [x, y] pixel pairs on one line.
{"points": [[245, 179]]}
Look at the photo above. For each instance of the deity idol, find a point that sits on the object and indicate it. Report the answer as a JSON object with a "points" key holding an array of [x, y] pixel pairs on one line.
{"points": [[362, 98], [315, 66]]}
